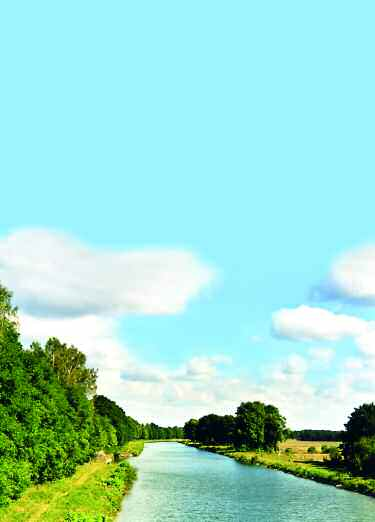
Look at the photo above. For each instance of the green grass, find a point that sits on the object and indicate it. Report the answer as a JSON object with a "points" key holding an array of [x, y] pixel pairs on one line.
{"points": [[134, 448], [94, 493]]}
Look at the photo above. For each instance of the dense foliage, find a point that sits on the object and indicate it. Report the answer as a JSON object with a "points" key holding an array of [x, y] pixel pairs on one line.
{"points": [[255, 426], [359, 440], [50, 419], [318, 435]]}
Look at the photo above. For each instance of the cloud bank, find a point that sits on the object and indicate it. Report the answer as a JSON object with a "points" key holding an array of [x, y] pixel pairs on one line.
{"points": [[52, 274], [306, 323]]}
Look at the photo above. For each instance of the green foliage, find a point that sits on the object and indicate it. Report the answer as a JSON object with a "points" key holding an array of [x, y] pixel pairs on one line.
{"points": [[154, 432], [14, 478], [312, 449], [364, 455], [190, 429], [8, 313], [125, 427], [275, 428], [215, 428], [250, 421], [45, 425], [70, 366], [335, 455], [255, 426], [359, 440], [317, 435]]}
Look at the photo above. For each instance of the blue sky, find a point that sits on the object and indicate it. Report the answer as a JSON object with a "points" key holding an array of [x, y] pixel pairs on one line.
{"points": [[238, 132]]}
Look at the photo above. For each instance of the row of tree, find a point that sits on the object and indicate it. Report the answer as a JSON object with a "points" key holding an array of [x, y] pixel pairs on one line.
{"points": [[51, 419], [126, 428], [318, 435], [259, 426], [255, 426]]}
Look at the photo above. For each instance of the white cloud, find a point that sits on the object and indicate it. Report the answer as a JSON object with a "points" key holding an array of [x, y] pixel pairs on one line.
{"points": [[292, 370], [306, 323], [75, 293], [352, 277], [366, 343], [353, 363], [322, 356], [203, 367], [52, 274]]}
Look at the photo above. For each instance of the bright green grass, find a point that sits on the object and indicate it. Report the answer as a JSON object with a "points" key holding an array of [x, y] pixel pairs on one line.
{"points": [[134, 447], [94, 493]]}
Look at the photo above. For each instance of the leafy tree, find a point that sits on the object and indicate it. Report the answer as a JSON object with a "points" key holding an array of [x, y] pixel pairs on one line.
{"points": [[8, 313], [359, 439], [250, 420], [274, 427], [70, 366]]}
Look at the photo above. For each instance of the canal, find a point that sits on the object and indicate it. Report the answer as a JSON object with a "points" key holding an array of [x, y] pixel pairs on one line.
{"points": [[183, 484]]}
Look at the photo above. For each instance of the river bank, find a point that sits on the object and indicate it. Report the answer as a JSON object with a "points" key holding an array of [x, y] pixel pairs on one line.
{"points": [[94, 493], [318, 471]]}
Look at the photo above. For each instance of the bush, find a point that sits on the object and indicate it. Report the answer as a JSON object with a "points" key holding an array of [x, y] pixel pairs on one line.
{"points": [[14, 479], [364, 455], [312, 449], [335, 455]]}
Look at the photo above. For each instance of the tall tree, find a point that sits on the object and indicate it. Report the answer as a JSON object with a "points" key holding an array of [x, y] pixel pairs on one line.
{"points": [[274, 427], [70, 366], [359, 439], [250, 419]]}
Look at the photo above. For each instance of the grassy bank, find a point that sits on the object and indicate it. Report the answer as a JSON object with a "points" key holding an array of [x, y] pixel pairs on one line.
{"points": [[133, 448], [94, 493], [294, 458]]}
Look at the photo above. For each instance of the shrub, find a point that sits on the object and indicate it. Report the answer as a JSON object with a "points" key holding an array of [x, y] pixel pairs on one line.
{"points": [[14, 479], [335, 455], [312, 449]]}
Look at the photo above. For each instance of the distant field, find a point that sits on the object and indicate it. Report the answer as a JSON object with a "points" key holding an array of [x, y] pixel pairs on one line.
{"points": [[300, 447]]}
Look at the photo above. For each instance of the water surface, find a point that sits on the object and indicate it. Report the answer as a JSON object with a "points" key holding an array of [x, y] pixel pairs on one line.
{"points": [[182, 484]]}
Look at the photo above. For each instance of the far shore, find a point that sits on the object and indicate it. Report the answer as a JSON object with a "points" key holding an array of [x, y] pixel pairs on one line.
{"points": [[298, 462]]}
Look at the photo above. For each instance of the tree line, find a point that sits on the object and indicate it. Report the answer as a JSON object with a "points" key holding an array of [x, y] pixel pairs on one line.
{"points": [[318, 435], [255, 426], [51, 419]]}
